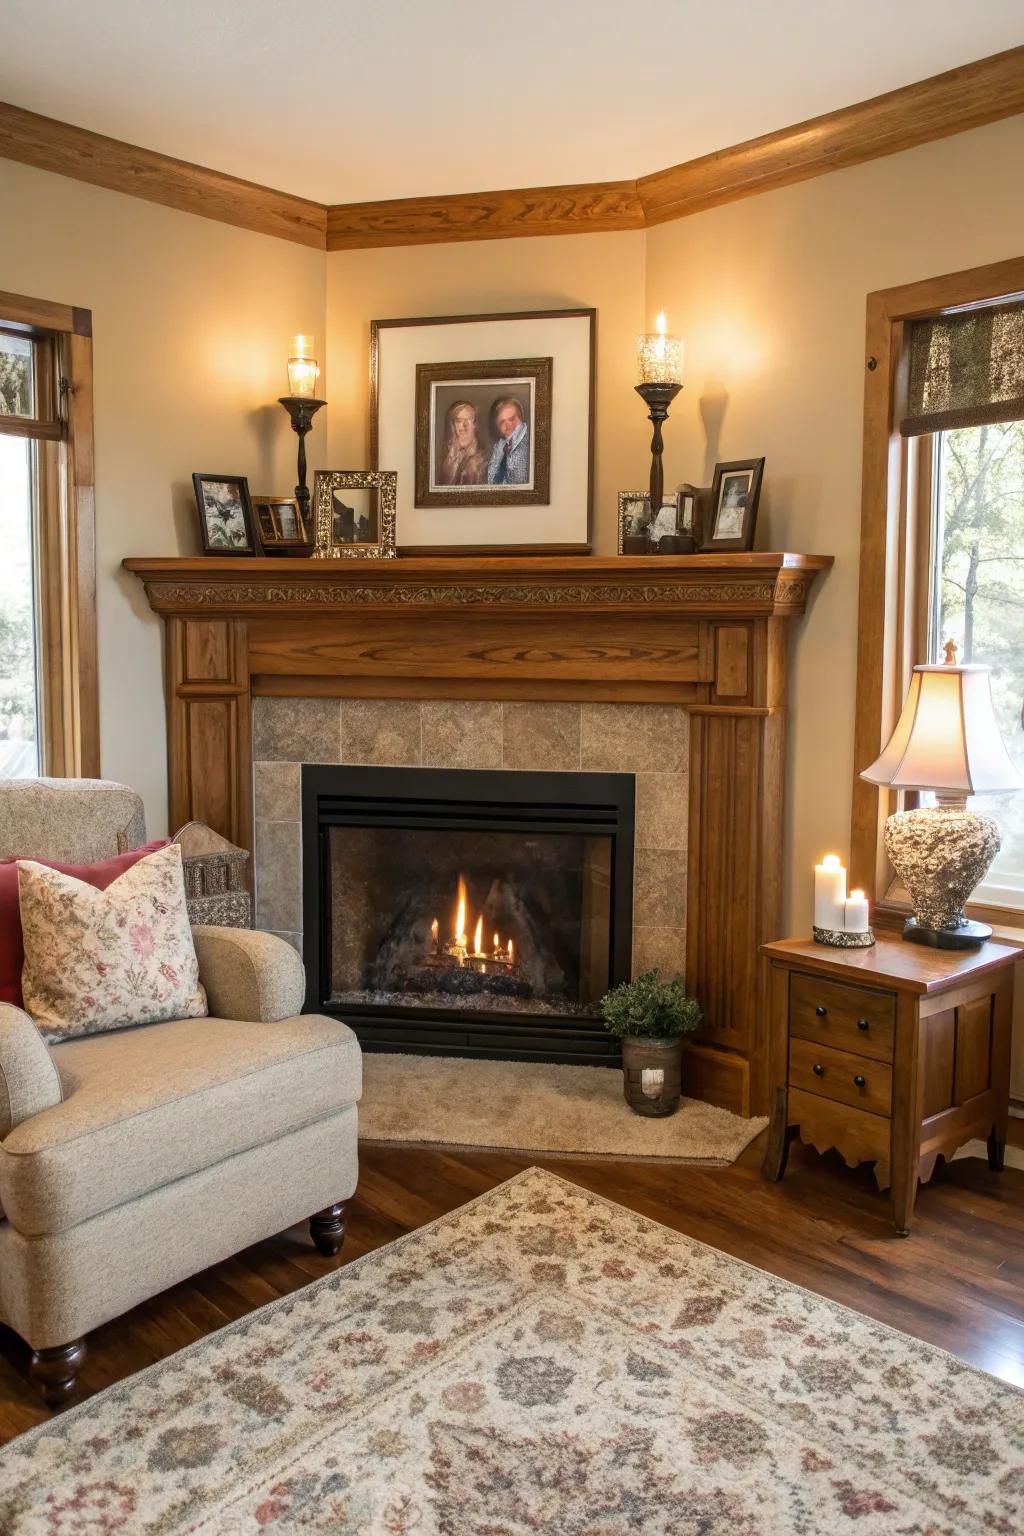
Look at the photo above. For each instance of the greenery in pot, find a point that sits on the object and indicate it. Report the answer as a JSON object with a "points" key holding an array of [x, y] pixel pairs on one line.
{"points": [[650, 1008]]}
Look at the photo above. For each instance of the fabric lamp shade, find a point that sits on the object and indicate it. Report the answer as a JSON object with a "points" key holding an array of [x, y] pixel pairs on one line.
{"points": [[947, 737]]}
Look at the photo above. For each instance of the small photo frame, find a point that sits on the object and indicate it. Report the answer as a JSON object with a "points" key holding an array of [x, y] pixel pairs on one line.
{"points": [[735, 492], [280, 523], [670, 532], [355, 514], [224, 508]]}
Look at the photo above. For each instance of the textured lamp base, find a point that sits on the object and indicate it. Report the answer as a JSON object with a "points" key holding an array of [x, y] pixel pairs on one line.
{"points": [[940, 855], [966, 935]]}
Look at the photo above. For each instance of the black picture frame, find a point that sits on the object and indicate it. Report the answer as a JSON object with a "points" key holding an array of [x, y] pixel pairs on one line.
{"points": [[732, 515], [222, 541]]}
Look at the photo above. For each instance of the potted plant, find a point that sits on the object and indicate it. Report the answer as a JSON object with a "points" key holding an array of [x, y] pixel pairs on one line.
{"points": [[651, 1016]]}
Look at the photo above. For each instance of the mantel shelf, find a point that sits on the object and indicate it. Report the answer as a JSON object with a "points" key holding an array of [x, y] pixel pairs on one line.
{"points": [[742, 585]]}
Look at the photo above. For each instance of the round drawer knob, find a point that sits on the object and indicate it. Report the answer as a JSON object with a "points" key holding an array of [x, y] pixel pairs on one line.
{"points": [[862, 1024], [820, 1011], [818, 1069], [860, 1081]]}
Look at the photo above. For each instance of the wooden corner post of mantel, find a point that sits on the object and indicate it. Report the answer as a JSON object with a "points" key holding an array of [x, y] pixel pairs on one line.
{"points": [[708, 632]]}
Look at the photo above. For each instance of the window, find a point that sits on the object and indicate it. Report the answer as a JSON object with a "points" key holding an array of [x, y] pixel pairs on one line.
{"points": [[48, 701], [942, 539], [976, 598]]}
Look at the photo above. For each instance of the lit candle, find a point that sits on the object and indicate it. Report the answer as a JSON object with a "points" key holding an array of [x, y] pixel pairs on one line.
{"points": [[478, 937], [659, 357], [303, 370], [829, 893], [856, 912]]}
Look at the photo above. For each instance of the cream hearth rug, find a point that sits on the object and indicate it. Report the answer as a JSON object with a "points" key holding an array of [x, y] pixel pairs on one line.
{"points": [[527, 1106], [540, 1362]]}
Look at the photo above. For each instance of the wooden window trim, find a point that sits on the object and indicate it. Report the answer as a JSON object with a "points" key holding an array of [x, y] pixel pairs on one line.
{"points": [[892, 607], [66, 559]]}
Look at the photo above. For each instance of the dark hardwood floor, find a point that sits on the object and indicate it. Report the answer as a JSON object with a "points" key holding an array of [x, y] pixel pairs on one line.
{"points": [[957, 1281]]}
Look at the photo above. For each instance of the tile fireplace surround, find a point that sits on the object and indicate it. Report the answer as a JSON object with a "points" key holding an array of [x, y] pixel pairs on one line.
{"points": [[673, 669], [648, 740]]}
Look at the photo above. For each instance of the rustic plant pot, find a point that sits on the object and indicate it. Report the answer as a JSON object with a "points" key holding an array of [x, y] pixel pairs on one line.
{"points": [[658, 1092]]}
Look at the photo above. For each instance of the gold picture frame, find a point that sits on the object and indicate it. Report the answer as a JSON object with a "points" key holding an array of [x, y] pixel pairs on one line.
{"points": [[280, 523], [340, 526]]}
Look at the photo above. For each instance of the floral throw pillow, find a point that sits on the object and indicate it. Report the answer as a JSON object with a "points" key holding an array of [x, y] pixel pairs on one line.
{"points": [[100, 960]]}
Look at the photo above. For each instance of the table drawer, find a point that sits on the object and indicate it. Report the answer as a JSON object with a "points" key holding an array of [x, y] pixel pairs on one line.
{"points": [[841, 1076], [845, 1017]]}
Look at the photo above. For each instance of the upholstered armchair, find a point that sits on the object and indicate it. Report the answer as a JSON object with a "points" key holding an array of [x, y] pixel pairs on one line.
{"points": [[131, 1160]]}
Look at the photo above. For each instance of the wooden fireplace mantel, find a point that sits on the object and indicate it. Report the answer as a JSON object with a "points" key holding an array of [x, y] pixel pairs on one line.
{"points": [[704, 631]]}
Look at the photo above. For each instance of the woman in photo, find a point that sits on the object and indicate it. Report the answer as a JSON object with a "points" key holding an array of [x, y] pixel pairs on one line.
{"points": [[465, 458]]}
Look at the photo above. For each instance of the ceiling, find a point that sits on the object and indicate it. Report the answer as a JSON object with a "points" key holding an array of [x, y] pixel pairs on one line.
{"points": [[350, 100]]}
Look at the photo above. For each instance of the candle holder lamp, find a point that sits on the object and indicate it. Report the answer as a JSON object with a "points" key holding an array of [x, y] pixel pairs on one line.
{"points": [[660, 366], [302, 405], [946, 740]]}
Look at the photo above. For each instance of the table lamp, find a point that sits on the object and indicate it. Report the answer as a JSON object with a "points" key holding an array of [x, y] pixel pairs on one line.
{"points": [[946, 740]]}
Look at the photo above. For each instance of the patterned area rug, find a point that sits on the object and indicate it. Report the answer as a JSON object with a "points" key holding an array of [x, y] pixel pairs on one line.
{"points": [[540, 1361], [532, 1106]]}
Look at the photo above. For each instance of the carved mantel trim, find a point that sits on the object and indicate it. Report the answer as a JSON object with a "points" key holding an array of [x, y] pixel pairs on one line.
{"points": [[748, 584], [708, 632]]}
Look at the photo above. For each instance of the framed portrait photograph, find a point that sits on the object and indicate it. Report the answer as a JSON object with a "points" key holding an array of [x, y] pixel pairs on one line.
{"points": [[355, 514], [732, 517], [483, 433], [669, 532], [224, 508], [488, 422], [280, 523]]}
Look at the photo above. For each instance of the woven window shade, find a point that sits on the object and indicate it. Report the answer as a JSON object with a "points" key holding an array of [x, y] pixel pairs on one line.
{"points": [[965, 370]]}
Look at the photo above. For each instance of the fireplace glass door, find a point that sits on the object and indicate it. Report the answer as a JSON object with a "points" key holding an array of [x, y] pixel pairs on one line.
{"points": [[484, 911]]}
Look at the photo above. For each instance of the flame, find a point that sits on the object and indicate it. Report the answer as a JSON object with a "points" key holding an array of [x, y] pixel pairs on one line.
{"points": [[511, 952], [478, 937], [460, 914], [434, 930], [659, 324], [497, 941]]}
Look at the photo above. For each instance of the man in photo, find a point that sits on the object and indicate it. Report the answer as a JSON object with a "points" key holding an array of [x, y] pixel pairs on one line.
{"points": [[510, 456]]}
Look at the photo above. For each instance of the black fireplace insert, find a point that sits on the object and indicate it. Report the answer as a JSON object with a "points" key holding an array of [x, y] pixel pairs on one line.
{"points": [[468, 912]]}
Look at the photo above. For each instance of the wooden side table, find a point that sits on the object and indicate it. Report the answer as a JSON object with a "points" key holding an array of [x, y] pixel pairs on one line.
{"points": [[895, 1055]]}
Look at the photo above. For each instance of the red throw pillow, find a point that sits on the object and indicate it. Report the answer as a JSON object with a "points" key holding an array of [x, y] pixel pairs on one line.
{"points": [[12, 953]]}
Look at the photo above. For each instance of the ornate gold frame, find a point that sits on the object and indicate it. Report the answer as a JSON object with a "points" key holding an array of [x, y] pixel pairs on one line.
{"points": [[385, 483]]}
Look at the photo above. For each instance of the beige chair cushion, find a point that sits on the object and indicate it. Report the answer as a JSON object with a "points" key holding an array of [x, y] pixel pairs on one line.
{"points": [[146, 1106]]}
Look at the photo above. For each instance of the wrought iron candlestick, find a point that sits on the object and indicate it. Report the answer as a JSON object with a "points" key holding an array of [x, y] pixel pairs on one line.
{"points": [[302, 409], [657, 398]]}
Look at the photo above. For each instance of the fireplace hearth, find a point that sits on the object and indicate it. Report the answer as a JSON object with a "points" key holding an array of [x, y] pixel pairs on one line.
{"points": [[468, 912]]}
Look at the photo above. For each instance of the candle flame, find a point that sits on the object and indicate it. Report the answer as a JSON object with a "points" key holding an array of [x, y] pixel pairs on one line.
{"points": [[659, 324], [831, 861], [856, 896], [497, 941], [478, 937], [511, 951], [434, 929]]}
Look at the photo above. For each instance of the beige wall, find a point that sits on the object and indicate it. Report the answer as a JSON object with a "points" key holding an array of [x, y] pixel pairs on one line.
{"points": [[191, 321], [770, 296], [605, 272]]}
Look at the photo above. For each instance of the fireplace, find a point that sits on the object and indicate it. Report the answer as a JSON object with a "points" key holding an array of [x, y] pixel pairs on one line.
{"points": [[468, 912]]}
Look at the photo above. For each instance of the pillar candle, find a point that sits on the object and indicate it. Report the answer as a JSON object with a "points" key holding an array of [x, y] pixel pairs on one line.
{"points": [[829, 893], [856, 912]]}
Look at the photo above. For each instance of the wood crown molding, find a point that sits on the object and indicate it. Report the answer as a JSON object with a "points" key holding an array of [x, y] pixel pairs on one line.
{"points": [[966, 97], [68, 151]]}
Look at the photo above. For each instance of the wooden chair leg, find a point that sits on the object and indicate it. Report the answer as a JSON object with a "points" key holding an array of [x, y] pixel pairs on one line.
{"points": [[54, 1372], [327, 1229]]}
